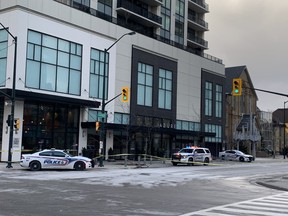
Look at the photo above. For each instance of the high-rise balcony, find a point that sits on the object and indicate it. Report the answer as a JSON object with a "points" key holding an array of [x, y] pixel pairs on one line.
{"points": [[199, 6], [195, 41], [196, 23], [152, 2], [138, 14]]}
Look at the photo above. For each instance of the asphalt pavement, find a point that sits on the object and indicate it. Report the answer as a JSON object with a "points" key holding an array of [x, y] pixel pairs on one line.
{"points": [[278, 182]]}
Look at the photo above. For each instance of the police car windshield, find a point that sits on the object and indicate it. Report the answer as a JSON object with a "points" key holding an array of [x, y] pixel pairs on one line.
{"points": [[186, 150]]}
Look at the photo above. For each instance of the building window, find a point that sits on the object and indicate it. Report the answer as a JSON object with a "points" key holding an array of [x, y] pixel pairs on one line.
{"points": [[208, 99], [121, 118], [144, 84], [166, 20], [105, 7], [48, 125], [179, 21], [179, 11], [97, 74], [218, 101], [165, 89], [217, 129], [53, 64], [81, 3], [3, 55], [187, 125], [95, 115]]}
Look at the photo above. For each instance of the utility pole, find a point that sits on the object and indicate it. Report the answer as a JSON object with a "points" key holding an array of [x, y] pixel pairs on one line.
{"points": [[12, 98], [103, 114]]}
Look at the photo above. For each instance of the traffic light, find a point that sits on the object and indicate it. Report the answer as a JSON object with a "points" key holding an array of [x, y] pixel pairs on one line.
{"points": [[8, 121], [286, 127], [17, 124], [98, 124], [237, 87], [125, 95]]}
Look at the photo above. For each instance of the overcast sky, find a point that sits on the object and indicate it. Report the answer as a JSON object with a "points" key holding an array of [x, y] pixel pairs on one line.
{"points": [[253, 33]]}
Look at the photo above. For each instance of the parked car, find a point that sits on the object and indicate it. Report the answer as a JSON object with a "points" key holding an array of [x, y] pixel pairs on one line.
{"points": [[192, 154], [55, 159], [235, 155]]}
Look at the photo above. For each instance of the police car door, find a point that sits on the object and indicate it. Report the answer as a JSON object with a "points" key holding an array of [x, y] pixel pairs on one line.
{"points": [[199, 154]]}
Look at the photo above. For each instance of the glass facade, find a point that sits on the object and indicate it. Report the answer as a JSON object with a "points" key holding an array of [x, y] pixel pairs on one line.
{"points": [[50, 126], [97, 64], [53, 64], [105, 7], [208, 98], [165, 89], [145, 84], [179, 21], [218, 102], [217, 129], [166, 19]]}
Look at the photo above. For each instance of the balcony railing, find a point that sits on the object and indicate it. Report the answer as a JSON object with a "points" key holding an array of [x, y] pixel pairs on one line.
{"points": [[138, 10], [198, 21], [197, 40], [202, 4], [140, 30]]}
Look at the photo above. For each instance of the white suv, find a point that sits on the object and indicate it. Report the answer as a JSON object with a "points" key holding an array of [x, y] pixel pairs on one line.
{"points": [[192, 155]]}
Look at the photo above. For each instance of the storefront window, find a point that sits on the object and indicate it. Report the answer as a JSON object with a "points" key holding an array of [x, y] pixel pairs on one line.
{"points": [[50, 126]]}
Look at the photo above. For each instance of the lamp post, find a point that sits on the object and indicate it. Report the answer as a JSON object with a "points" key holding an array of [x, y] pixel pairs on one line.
{"points": [[103, 115], [284, 130], [12, 98]]}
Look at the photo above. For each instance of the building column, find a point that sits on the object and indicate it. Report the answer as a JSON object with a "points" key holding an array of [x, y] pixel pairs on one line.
{"points": [[17, 137]]}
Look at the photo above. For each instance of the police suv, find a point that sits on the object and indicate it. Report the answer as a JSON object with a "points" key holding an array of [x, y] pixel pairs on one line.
{"points": [[192, 155]]}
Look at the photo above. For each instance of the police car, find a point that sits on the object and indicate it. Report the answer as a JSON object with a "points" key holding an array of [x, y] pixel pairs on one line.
{"points": [[235, 155], [192, 155], [55, 159]]}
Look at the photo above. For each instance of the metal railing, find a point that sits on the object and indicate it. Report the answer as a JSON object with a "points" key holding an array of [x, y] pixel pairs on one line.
{"points": [[202, 4], [138, 10], [138, 29], [201, 22]]}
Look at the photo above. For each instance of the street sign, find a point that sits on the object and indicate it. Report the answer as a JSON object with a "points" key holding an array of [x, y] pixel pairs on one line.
{"points": [[102, 115]]}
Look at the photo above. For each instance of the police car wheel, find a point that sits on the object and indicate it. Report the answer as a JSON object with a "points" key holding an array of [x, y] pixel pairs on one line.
{"points": [[79, 166], [174, 163], [206, 161], [190, 162], [35, 166], [241, 159]]}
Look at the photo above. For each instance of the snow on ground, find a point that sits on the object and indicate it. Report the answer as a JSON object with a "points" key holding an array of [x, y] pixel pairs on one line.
{"points": [[143, 177]]}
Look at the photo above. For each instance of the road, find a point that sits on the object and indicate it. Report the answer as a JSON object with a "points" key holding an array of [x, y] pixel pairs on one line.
{"points": [[119, 191]]}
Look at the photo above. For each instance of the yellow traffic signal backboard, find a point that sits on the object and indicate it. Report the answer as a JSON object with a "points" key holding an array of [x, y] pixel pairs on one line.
{"points": [[237, 87], [125, 95]]}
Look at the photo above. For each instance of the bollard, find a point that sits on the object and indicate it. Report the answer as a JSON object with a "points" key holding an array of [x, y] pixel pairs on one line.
{"points": [[139, 161], [125, 157], [145, 159]]}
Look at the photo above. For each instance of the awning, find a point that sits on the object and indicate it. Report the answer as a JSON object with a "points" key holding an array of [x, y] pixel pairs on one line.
{"points": [[53, 98]]}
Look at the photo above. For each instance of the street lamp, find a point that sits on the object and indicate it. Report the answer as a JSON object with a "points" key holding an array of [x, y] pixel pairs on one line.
{"points": [[284, 130], [103, 115], [12, 98]]}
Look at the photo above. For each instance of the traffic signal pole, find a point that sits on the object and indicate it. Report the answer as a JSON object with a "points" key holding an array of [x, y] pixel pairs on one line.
{"points": [[12, 98], [103, 105]]}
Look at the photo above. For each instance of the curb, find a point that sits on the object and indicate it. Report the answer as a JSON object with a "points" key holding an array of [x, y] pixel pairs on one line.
{"points": [[275, 187]]}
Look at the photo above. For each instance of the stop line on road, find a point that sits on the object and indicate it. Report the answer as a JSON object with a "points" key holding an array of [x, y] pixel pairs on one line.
{"points": [[276, 205]]}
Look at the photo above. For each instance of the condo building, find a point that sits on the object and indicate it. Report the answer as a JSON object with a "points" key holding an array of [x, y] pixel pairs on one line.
{"points": [[61, 59]]}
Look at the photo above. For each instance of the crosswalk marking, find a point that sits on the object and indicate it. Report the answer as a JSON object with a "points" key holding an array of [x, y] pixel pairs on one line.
{"points": [[276, 205]]}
